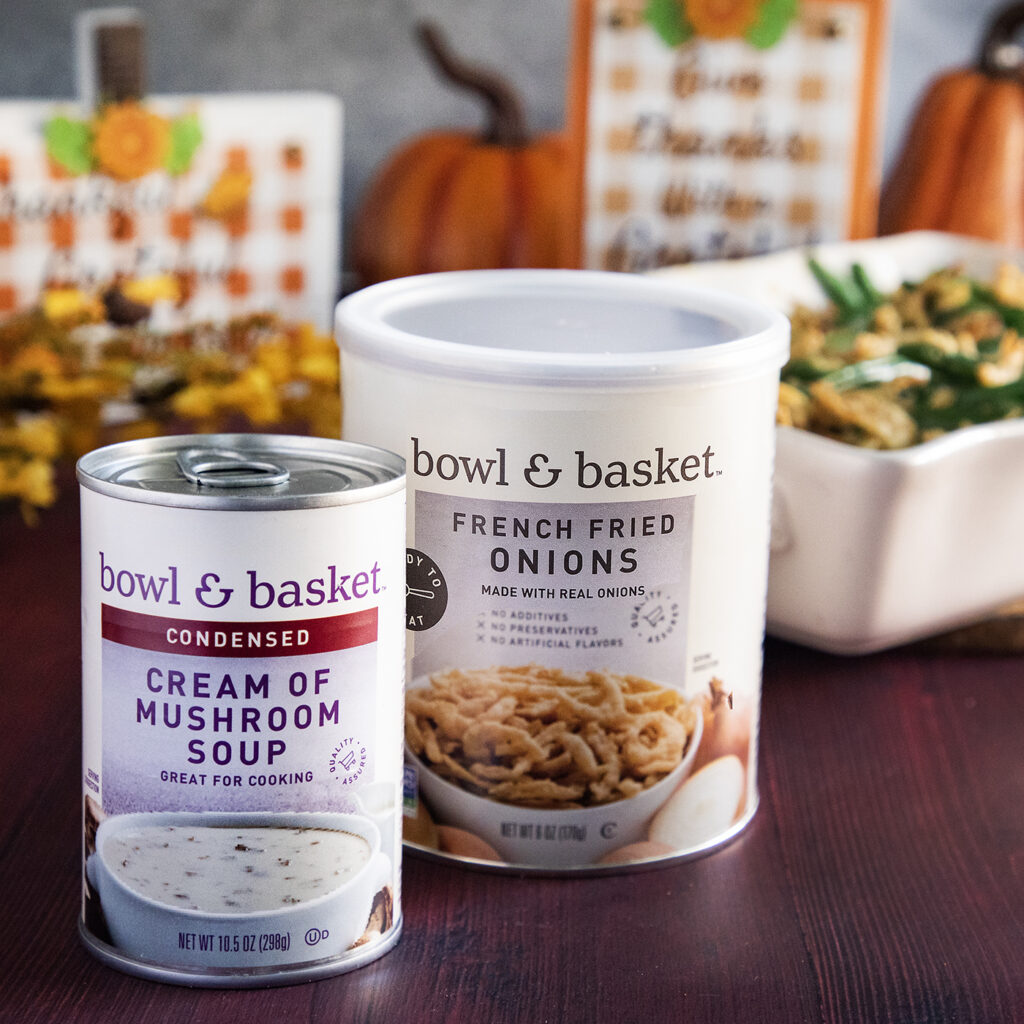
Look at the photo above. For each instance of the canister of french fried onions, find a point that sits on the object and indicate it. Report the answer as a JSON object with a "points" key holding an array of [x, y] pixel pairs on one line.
{"points": [[589, 478], [243, 665]]}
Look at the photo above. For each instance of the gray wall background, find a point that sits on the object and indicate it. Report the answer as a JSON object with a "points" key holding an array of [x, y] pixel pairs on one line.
{"points": [[363, 51]]}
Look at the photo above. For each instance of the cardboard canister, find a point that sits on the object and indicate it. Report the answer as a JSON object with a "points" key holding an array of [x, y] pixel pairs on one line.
{"points": [[589, 465]]}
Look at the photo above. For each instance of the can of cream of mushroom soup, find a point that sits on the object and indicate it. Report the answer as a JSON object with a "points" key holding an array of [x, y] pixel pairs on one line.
{"points": [[589, 473], [243, 667]]}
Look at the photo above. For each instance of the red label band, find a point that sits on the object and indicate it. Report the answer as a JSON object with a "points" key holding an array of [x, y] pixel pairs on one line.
{"points": [[240, 639]]}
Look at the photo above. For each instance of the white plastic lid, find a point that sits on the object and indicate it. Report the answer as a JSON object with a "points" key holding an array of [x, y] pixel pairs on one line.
{"points": [[561, 327]]}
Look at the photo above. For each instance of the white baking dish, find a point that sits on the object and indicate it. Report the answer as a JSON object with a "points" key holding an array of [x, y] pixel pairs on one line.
{"points": [[871, 549]]}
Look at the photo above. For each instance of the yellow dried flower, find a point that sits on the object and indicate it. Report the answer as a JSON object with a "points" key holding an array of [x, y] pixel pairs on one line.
{"points": [[195, 402], [76, 389], [321, 368], [137, 430], [30, 481], [36, 435], [35, 359], [253, 393], [63, 304], [148, 290], [210, 375], [229, 194], [308, 337], [9, 468], [276, 359], [34, 483]]}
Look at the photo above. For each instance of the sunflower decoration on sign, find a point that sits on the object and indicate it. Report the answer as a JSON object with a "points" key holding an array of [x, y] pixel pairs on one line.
{"points": [[125, 141], [762, 23], [130, 141]]}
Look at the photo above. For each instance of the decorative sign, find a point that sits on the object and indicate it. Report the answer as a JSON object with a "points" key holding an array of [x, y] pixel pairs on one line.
{"points": [[714, 129], [225, 204]]}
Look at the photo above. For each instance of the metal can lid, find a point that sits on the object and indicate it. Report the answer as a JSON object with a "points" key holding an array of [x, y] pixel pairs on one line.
{"points": [[242, 471]]}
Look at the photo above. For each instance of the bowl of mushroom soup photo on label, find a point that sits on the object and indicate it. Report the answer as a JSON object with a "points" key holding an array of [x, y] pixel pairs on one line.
{"points": [[217, 889]]}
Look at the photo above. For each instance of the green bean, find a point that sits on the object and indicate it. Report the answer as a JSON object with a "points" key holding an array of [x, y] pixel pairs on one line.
{"points": [[846, 298], [970, 405], [841, 339], [954, 364], [877, 371], [807, 369], [1013, 316], [943, 391], [941, 317], [864, 283]]}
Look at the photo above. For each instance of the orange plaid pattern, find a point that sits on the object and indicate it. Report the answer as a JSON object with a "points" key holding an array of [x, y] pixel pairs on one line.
{"points": [[711, 150], [240, 229], [180, 225], [62, 230], [120, 226], [237, 283], [293, 280], [292, 219]]}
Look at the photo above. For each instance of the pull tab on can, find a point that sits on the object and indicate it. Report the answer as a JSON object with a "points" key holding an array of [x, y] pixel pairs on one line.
{"points": [[222, 467]]}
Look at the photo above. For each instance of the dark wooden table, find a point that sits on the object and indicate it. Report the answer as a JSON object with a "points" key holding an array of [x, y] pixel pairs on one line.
{"points": [[881, 880]]}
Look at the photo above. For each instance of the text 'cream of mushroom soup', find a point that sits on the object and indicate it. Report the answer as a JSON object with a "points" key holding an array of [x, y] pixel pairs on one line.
{"points": [[243, 644], [589, 463]]}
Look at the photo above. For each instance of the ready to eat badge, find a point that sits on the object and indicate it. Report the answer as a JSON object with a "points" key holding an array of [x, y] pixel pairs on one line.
{"points": [[235, 198]]}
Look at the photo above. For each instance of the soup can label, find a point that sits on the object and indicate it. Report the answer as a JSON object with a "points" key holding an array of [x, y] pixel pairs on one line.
{"points": [[243, 659], [587, 565]]}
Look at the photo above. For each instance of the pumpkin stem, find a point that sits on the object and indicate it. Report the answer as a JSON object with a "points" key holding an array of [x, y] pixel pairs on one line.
{"points": [[1001, 54], [506, 125]]}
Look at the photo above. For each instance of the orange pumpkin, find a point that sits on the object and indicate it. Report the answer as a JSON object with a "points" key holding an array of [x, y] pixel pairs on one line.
{"points": [[961, 168], [455, 200]]}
